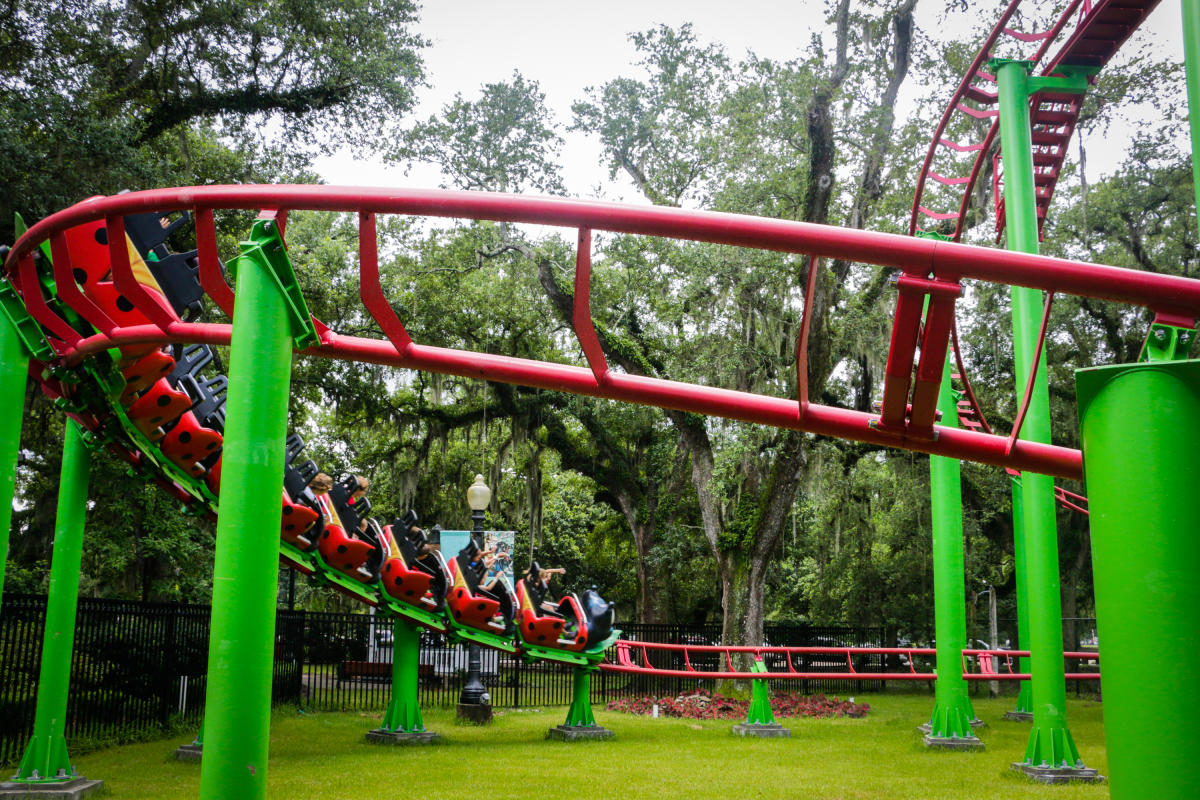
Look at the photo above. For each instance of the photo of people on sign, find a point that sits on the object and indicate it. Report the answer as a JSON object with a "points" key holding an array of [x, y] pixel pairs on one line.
{"points": [[498, 543]]}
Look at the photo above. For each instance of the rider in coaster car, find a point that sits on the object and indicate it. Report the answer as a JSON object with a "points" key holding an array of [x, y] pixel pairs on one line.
{"points": [[351, 555], [538, 581], [489, 566]]}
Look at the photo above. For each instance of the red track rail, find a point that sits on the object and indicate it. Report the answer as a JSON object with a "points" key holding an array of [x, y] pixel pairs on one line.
{"points": [[922, 262], [634, 658], [1102, 28]]}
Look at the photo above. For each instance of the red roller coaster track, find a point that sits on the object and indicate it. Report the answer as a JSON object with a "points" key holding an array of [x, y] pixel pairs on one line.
{"points": [[1101, 29], [925, 266], [705, 662]]}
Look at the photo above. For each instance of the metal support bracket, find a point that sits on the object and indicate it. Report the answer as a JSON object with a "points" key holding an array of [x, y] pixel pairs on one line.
{"points": [[265, 248], [1072, 78], [27, 329], [1166, 342]]}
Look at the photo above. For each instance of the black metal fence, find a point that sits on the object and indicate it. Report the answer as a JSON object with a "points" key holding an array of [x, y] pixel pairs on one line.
{"points": [[137, 667], [140, 667]]}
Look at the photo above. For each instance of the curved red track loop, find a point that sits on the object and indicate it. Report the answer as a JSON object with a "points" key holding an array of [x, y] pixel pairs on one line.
{"points": [[953, 106], [916, 258], [982, 151]]}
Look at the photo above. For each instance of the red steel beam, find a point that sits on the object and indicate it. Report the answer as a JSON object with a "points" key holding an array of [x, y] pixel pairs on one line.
{"points": [[917, 258]]}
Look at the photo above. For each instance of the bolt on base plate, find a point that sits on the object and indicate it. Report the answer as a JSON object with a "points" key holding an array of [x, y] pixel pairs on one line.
{"points": [[1059, 774], [575, 733], [1019, 716], [771, 730], [383, 736], [66, 790]]}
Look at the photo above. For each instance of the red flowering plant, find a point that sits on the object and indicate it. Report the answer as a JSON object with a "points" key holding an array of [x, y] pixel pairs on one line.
{"points": [[703, 704]]}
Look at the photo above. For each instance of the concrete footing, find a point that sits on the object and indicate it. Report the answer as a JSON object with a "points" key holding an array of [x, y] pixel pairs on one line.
{"points": [[384, 736], [927, 729], [189, 752], [475, 713], [575, 733], [1058, 774], [953, 742], [771, 730], [1019, 716], [56, 790]]}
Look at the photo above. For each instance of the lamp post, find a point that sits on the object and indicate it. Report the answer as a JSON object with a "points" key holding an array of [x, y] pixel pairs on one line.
{"points": [[473, 703], [993, 632]]}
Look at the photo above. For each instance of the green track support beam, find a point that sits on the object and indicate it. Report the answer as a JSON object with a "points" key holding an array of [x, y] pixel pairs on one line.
{"points": [[760, 717], [1024, 710], [580, 713], [238, 702], [1051, 754], [14, 364], [404, 711], [1140, 433], [580, 724], [46, 759], [950, 722], [760, 712], [1191, 62]]}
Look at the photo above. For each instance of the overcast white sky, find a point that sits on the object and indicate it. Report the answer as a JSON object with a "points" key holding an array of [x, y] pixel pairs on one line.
{"points": [[567, 46]]}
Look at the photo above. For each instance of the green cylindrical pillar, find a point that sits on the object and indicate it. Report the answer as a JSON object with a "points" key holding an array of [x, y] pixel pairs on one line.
{"points": [[46, 756], [580, 712], [238, 702], [1191, 60], [14, 365], [1024, 710], [404, 711], [1140, 431], [950, 723], [1051, 753]]}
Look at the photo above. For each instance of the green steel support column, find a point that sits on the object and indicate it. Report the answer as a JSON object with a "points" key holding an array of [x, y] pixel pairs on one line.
{"points": [[950, 723], [1024, 710], [580, 723], [760, 717], [14, 364], [404, 711], [1191, 60], [760, 712], [46, 756], [1140, 432], [580, 713], [1051, 754], [238, 702]]}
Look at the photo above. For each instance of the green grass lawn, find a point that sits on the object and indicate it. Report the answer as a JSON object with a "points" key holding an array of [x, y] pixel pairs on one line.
{"points": [[880, 756]]}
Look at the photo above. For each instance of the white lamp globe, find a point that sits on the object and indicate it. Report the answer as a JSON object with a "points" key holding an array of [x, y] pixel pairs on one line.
{"points": [[478, 494]]}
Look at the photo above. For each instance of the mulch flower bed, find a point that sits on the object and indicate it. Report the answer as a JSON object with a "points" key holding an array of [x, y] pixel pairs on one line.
{"points": [[703, 704]]}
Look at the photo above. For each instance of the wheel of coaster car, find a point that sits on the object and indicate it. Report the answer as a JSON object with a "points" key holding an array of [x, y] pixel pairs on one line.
{"points": [[188, 443], [296, 520], [344, 553], [472, 610], [158, 406], [145, 372], [406, 585]]}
